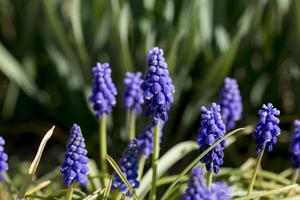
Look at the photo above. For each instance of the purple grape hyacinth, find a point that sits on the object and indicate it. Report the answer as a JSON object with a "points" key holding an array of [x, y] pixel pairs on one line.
{"points": [[198, 190], [3, 159], [157, 86], [104, 91], [129, 166], [267, 129], [133, 96], [230, 101], [295, 146], [74, 167], [212, 129]]}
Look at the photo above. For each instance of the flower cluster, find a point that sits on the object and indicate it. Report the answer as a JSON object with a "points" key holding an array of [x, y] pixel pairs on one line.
{"points": [[3, 159], [267, 129], [230, 101], [157, 86], [198, 190], [129, 166], [133, 96], [295, 146], [212, 129], [104, 91], [74, 167]]}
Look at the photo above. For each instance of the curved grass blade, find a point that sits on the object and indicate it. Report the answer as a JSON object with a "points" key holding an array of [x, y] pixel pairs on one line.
{"points": [[192, 164], [267, 193], [120, 173], [107, 190]]}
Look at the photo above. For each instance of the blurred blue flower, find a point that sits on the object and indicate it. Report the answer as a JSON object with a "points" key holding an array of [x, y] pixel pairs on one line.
{"points": [[157, 86], [129, 166], [74, 167], [133, 96], [197, 190], [267, 129], [295, 146], [230, 101], [3, 159], [212, 129], [104, 91]]}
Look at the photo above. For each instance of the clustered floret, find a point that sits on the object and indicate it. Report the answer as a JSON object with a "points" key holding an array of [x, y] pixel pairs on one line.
{"points": [[230, 101], [267, 129], [157, 86], [104, 91], [133, 95], [129, 166], [295, 146], [198, 190], [74, 167], [3, 159], [212, 129]]}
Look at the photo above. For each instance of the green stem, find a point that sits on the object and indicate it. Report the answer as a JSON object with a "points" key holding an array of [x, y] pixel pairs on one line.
{"points": [[296, 175], [103, 147], [155, 157], [132, 124], [70, 191], [209, 178], [141, 167], [258, 161]]}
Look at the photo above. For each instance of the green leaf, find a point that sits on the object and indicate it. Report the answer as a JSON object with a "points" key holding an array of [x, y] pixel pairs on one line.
{"points": [[120, 173], [194, 163], [11, 68], [267, 193], [164, 163]]}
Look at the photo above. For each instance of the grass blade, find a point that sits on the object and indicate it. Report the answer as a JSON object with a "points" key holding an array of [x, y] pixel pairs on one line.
{"points": [[192, 164], [120, 173]]}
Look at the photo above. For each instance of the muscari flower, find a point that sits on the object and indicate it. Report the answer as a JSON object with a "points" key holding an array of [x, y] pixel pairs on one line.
{"points": [[295, 146], [212, 129], [267, 129], [157, 86], [230, 101], [104, 91], [197, 190], [3, 159], [133, 96], [129, 166], [74, 167]]}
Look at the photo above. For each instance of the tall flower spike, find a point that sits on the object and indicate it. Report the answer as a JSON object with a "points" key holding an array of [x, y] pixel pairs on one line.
{"points": [[3, 159], [295, 146], [230, 101], [133, 96], [104, 91], [158, 87], [129, 166], [267, 129], [74, 167], [197, 188], [212, 129]]}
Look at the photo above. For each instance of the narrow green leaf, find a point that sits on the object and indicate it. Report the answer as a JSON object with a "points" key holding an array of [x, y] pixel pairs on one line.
{"points": [[267, 193], [107, 190], [120, 173], [194, 163]]}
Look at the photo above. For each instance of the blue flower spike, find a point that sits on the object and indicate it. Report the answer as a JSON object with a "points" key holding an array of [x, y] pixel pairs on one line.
{"points": [[129, 166], [211, 129], [74, 167], [230, 101], [197, 188], [3, 159], [295, 146]]}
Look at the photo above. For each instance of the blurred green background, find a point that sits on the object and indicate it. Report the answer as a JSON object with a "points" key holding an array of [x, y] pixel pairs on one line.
{"points": [[48, 47]]}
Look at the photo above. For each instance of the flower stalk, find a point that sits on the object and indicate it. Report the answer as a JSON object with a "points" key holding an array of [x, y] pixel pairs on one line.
{"points": [[258, 161], [103, 147], [155, 157], [132, 122], [70, 191], [209, 178]]}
